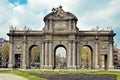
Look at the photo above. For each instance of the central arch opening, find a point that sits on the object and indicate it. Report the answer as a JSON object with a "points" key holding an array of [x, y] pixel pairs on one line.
{"points": [[60, 57]]}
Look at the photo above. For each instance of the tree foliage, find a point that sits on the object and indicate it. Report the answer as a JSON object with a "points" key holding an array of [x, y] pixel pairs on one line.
{"points": [[0, 51], [57, 59], [85, 56], [5, 51], [35, 53]]}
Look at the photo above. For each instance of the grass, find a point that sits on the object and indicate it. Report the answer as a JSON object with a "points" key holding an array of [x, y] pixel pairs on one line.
{"points": [[25, 73]]}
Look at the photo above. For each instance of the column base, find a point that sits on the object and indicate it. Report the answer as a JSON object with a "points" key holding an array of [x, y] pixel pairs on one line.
{"points": [[110, 67], [96, 67], [50, 66], [71, 67], [24, 67], [42, 67], [10, 65], [47, 67], [102, 67]]}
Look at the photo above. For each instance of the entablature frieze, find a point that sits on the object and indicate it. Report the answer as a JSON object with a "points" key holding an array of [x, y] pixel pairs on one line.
{"points": [[105, 52], [73, 41], [47, 41]]}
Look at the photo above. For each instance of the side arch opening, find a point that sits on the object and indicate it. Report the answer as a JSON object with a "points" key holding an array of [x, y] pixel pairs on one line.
{"points": [[34, 57], [86, 57]]}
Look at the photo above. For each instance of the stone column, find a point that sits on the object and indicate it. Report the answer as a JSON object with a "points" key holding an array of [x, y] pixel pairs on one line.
{"points": [[46, 54], [96, 55], [110, 56], [69, 54], [43, 56], [50, 55], [24, 53], [74, 55], [11, 54]]}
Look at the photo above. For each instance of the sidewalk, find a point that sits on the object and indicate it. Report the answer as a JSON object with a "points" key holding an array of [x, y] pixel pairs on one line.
{"points": [[11, 77]]}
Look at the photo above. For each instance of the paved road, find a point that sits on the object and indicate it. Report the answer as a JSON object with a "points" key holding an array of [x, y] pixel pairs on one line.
{"points": [[11, 77]]}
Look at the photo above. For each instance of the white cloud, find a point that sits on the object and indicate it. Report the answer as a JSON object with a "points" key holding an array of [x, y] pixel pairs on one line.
{"points": [[101, 16], [32, 13], [14, 21]]}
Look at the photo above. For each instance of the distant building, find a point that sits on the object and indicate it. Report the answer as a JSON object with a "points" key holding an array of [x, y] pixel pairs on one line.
{"points": [[116, 58]]}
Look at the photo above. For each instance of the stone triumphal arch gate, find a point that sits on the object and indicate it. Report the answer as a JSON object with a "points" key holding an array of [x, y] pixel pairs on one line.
{"points": [[84, 49]]}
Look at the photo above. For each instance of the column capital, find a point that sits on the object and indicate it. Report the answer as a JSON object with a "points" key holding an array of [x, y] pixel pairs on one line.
{"points": [[11, 40], [111, 42], [50, 41], [74, 41], [96, 41], [42, 41], [70, 41], [25, 41], [46, 41]]}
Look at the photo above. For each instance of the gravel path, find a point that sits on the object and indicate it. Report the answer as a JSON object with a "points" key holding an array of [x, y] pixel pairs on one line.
{"points": [[76, 76], [11, 77]]}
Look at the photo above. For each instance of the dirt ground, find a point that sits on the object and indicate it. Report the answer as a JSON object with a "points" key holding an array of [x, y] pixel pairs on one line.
{"points": [[76, 76]]}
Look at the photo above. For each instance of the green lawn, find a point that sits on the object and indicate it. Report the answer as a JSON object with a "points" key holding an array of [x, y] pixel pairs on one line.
{"points": [[25, 73], [21, 73]]}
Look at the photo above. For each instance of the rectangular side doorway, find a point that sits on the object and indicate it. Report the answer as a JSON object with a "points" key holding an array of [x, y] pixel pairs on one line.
{"points": [[105, 62], [17, 61]]}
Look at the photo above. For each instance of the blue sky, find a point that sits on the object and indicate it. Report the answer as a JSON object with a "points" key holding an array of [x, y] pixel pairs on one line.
{"points": [[19, 1], [90, 13]]}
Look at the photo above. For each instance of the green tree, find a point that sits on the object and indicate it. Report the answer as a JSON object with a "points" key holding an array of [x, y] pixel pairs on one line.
{"points": [[34, 52], [0, 51], [0, 55], [5, 51], [85, 56], [37, 58], [57, 59]]}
